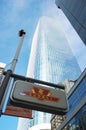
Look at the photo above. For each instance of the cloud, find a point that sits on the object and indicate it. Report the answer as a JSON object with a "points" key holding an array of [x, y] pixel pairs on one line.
{"points": [[49, 8], [20, 4], [12, 10]]}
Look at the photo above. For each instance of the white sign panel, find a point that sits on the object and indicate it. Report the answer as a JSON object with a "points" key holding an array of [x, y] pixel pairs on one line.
{"points": [[38, 97]]}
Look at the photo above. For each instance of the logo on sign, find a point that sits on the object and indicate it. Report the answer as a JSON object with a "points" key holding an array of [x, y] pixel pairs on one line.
{"points": [[40, 94]]}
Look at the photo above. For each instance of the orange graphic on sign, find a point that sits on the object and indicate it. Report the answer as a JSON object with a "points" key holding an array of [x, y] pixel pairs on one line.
{"points": [[41, 94]]}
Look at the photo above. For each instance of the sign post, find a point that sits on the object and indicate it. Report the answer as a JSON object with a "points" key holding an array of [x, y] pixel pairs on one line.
{"points": [[6, 82]]}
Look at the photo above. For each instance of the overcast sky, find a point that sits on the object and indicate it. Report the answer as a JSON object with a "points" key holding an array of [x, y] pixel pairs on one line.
{"points": [[24, 14]]}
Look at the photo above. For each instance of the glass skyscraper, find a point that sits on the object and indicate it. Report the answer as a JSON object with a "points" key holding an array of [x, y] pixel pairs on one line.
{"points": [[51, 60]]}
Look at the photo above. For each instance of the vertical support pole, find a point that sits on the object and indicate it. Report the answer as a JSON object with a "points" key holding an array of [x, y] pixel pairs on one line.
{"points": [[3, 89], [6, 82]]}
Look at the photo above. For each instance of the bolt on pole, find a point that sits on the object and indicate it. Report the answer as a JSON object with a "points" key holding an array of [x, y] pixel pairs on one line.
{"points": [[6, 82]]}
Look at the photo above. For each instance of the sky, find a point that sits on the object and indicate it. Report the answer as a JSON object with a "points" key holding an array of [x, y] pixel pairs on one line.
{"points": [[25, 14]]}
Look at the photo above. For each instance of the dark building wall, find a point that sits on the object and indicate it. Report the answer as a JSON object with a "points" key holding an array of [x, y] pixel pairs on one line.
{"points": [[75, 11], [75, 118]]}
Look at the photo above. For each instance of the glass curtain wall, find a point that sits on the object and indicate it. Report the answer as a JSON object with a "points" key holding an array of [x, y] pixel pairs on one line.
{"points": [[51, 58]]}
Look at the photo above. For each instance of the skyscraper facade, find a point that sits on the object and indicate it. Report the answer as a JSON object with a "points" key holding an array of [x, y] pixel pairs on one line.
{"points": [[75, 11], [51, 59]]}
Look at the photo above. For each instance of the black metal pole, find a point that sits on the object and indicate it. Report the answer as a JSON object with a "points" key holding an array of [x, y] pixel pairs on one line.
{"points": [[3, 87], [19, 77]]}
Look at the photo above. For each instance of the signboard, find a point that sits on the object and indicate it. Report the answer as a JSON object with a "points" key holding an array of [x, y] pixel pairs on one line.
{"points": [[39, 97], [18, 111]]}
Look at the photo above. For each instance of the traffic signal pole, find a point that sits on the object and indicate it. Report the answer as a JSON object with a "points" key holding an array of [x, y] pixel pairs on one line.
{"points": [[6, 82]]}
